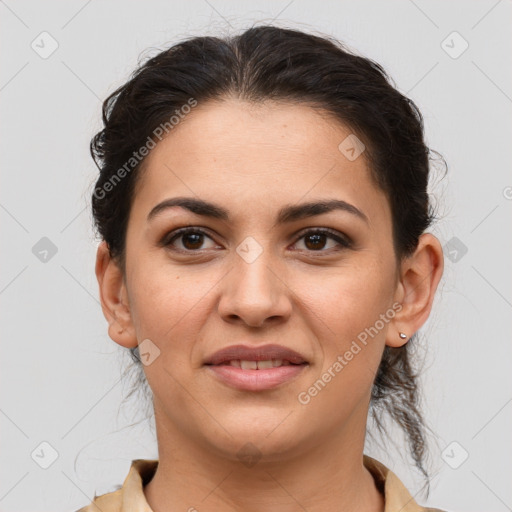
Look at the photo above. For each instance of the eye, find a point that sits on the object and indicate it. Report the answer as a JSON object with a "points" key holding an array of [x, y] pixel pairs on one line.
{"points": [[192, 239], [315, 240]]}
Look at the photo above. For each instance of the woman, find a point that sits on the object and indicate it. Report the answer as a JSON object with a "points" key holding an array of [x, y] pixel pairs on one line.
{"points": [[262, 204]]}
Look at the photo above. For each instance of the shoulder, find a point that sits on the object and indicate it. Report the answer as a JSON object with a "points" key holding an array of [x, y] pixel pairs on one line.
{"points": [[396, 495], [140, 473], [110, 502]]}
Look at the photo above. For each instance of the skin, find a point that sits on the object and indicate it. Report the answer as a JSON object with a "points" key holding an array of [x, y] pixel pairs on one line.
{"points": [[252, 160]]}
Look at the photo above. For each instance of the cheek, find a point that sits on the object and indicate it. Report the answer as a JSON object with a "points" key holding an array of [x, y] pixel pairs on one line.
{"points": [[348, 301], [350, 312], [347, 322], [169, 306], [167, 302]]}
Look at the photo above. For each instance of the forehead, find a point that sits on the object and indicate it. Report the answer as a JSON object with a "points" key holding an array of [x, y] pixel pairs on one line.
{"points": [[255, 157]]}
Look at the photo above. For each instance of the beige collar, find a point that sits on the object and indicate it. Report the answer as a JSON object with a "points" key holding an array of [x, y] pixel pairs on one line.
{"points": [[130, 497]]}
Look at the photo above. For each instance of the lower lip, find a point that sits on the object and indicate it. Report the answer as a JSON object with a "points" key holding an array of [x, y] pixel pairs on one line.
{"points": [[256, 380]]}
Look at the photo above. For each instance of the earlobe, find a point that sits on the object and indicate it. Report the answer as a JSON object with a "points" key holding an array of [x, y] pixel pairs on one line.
{"points": [[112, 291], [420, 276]]}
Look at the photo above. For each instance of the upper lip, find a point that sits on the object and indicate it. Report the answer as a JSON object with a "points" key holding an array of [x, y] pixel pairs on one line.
{"points": [[260, 353]]}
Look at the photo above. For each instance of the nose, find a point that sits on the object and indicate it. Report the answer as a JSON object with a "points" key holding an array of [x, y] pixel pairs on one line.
{"points": [[254, 293]]}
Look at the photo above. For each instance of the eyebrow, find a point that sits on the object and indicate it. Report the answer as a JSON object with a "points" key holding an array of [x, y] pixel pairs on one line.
{"points": [[287, 214]]}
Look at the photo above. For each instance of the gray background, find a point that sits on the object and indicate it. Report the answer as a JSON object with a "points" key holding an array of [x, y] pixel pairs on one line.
{"points": [[60, 374]]}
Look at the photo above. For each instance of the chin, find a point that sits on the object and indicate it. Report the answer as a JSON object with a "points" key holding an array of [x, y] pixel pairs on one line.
{"points": [[270, 435]]}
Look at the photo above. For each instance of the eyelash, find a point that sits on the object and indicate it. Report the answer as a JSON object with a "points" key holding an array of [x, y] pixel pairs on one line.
{"points": [[344, 242]]}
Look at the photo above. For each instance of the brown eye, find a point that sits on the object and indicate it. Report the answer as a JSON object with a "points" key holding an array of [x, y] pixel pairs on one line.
{"points": [[191, 240], [316, 240]]}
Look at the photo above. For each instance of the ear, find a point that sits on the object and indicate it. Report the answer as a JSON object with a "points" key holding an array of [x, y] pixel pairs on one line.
{"points": [[114, 298], [419, 277]]}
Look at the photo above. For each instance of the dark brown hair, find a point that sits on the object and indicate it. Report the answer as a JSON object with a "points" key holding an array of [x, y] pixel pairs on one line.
{"points": [[270, 63]]}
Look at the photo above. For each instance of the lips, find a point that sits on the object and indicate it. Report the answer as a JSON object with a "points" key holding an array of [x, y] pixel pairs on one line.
{"points": [[256, 368], [265, 353]]}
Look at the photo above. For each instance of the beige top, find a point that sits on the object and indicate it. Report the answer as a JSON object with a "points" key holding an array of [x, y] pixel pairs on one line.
{"points": [[130, 497]]}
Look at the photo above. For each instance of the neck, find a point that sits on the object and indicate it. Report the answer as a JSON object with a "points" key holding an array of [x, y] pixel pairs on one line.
{"points": [[327, 477]]}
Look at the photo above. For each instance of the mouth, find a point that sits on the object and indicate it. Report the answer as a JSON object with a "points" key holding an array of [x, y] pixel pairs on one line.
{"points": [[256, 368], [258, 365]]}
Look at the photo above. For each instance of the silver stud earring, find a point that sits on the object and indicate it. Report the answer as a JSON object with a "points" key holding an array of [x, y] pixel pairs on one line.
{"points": [[402, 335]]}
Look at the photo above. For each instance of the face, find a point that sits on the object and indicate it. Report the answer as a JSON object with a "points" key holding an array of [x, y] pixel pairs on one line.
{"points": [[251, 275]]}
